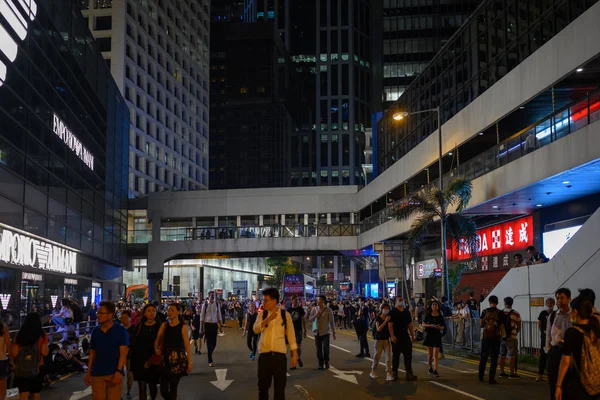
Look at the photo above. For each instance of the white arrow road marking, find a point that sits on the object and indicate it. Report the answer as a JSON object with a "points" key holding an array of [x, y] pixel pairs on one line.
{"points": [[221, 383], [307, 396], [347, 376], [81, 394], [451, 369], [287, 374]]}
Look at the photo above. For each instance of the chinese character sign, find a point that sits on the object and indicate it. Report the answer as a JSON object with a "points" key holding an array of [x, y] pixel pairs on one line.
{"points": [[509, 236]]}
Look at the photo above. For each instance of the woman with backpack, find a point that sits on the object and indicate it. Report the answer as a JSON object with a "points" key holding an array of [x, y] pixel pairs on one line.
{"points": [[28, 351], [434, 325], [144, 362], [578, 377], [5, 353], [173, 345]]}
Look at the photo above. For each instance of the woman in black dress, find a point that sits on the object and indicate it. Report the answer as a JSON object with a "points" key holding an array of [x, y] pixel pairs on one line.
{"points": [[173, 345], [145, 371], [434, 326]]}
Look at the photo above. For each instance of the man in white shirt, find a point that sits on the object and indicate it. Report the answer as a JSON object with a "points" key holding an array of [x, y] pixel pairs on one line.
{"points": [[272, 360], [210, 324]]}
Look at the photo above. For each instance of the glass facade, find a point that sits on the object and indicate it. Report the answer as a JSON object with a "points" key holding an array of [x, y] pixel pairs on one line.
{"points": [[498, 36], [63, 138]]}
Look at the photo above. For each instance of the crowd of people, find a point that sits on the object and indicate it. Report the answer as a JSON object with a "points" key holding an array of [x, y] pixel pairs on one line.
{"points": [[153, 343]]}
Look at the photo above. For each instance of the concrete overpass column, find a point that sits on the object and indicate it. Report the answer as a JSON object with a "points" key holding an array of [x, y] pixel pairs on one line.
{"points": [[155, 268], [283, 219], [353, 272], [328, 218], [352, 218], [261, 220], [305, 219], [238, 221], [216, 224]]}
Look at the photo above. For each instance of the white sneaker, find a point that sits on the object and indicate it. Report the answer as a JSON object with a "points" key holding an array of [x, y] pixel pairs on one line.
{"points": [[373, 375], [389, 377]]}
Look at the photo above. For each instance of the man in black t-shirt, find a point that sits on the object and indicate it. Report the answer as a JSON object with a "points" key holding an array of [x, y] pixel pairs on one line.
{"points": [[361, 325], [492, 321], [472, 304], [402, 336], [298, 318], [535, 257]]}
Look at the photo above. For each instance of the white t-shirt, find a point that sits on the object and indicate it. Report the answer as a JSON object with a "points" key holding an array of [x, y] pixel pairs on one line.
{"points": [[66, 312]]}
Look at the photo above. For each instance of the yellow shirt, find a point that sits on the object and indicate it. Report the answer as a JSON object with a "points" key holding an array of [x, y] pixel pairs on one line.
{"points": [[273, 335]]}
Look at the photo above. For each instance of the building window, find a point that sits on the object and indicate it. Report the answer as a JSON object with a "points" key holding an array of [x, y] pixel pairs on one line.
{"points": [[243, 90], [260, 89], [103, 23], [103, 44]]}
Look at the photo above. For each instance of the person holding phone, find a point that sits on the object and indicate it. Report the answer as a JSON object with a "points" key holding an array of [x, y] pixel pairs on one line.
{"points": [[434, 325]]}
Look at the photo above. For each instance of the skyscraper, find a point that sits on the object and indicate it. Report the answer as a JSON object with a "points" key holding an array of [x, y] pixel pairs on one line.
{"points": [[157, 51], [334, 35]]}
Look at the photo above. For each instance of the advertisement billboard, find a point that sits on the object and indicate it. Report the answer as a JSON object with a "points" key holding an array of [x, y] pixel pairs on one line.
{"points": [[502, 238], [293, 284], [555, 240]]}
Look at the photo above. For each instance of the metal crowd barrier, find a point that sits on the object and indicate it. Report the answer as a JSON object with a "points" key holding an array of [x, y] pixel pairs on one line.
{"points": [[77, 329]]}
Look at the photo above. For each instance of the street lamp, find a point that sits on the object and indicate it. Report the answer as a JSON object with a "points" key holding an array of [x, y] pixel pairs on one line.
{"points": [[400, 115]]}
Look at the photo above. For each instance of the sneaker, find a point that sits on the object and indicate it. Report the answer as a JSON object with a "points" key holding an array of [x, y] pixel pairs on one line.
{"points": [[436, 374], [251, 354], [212, 364], [503, 375], [367, 355], [514, 376], [373, 375], [492, 382], [360, 355], [300, 363], [411, 377], [395, 375], [430, 371], [389, 378], [321, 368], [539, 379]]}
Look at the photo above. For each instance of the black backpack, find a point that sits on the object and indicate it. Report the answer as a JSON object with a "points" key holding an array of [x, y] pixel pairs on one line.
{"points": [[27, 362], [508, 324]]}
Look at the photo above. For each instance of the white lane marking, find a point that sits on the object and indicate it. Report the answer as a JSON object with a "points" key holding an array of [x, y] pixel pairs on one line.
{"points": [[456, 390], [347, 376], [222, 382], [452, 369], [304, 392], [80, 395], [333, 345], [287, 374]]}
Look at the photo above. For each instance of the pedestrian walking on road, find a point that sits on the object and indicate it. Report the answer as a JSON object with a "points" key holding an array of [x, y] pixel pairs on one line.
{"points": [[323, 325], [211, 324], [144, 361], [492, 323], [28, 352], [580, 362], [108, 355], [382, 342], [125, 319], [542, 326], [361, 325], [434, 325], [299, 319], [196, 337], [509, 346], [558, 323], [252, 340], [274, 326], [172, 343], [402, 335]]}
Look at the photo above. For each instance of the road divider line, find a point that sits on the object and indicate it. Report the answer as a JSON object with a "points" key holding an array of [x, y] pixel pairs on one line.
{"points": [[304, 392], [456, 390]]}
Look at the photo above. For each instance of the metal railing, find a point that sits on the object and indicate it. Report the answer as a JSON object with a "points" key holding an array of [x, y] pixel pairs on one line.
{"points": [[465, 334], [77, 329], [548, 130], [247, 232]]}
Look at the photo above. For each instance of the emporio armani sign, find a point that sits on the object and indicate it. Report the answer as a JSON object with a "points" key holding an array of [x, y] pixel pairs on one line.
{"points": [[72, 142], [23, 250], [15, 12]]}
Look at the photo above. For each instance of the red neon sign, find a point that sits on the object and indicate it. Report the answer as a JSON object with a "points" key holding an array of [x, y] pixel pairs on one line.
{"points": [[509, 236]]}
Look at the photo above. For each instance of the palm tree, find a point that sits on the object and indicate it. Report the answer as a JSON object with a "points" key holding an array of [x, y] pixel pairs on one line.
{"points": [[433, 217]]}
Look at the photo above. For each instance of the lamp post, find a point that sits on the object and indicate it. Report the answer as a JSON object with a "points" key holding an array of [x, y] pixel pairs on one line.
{"points": [[399, 116]]}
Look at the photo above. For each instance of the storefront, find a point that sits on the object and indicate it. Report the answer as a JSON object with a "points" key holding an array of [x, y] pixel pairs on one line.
{"points": [[35, 274], [498, 244]]}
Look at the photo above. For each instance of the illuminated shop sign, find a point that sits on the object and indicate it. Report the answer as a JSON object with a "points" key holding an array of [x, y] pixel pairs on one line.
{"points": [[72, 142], [18, 249], [69, 281], [509, 236], [27, 276], [17, 22]]}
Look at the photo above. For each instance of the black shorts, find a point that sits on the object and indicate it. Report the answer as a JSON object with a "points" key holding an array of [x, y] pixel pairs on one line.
{"points": [[29, 385], [4, 368]]}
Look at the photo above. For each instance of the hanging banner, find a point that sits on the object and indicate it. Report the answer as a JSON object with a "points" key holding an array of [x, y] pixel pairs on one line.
{"points": [[508, 236]]}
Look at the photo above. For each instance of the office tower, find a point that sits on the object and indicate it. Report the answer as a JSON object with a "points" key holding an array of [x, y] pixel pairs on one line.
{"points": [[158, 54], [251, 95], [330, 39]]}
